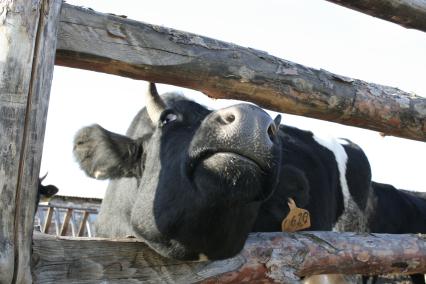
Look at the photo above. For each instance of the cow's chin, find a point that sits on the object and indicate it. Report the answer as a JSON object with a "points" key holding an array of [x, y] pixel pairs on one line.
{"points": [[214, 220], [222, 210], [229, 176]]}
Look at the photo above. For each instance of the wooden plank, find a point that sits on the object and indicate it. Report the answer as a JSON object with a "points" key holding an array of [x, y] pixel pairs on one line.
{"points": [[89, 229], [410, 14], [267, 257], [27, 49], [48, 220], [57, 221], [114, 45], [72, 223], [80, 203], [15, 73], [66, 222], [83, 223], [34, 129], [38, 220]]}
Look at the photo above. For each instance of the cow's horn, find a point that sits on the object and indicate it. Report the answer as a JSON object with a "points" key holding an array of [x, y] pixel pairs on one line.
{"points": [[154, 104], [277, 121], [42, 178]]}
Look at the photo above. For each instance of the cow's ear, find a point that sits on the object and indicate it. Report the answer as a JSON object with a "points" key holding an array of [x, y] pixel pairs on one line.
{"points": [[106, 155], [295, 185]]}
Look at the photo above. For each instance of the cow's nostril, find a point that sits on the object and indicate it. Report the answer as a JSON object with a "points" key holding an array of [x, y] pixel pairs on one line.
{"points": [[230, 118], [272, 131]]}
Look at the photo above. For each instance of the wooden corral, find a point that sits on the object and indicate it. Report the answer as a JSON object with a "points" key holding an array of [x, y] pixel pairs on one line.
{"points": [[67, 216], [86, 39]]}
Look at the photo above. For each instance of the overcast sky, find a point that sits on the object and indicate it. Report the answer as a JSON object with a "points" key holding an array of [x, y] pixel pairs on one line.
{"points": [[315, 33]]}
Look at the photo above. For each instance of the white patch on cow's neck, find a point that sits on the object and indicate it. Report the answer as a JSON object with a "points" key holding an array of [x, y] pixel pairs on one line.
{"points": [[343, 141], [341, 157], [352, 217]]}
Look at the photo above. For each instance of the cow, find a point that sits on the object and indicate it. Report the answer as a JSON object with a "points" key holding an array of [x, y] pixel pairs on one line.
{"points": [[398, 211], [193, 182], [45, 192]]}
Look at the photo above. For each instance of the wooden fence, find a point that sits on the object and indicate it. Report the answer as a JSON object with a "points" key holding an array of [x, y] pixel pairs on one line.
{"points": [[67, 216], [31, 32]]}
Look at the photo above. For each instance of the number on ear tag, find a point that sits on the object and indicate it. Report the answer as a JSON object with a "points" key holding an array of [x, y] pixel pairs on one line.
{"points": [[297, 219]]}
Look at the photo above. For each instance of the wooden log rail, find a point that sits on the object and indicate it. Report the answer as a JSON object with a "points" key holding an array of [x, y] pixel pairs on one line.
{"points": [[266, 258], [110, 44], [407, 13]]}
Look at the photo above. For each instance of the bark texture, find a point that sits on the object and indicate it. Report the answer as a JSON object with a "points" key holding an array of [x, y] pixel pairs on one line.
{"points": [[410, 14], [115, 45], [266, 258]]}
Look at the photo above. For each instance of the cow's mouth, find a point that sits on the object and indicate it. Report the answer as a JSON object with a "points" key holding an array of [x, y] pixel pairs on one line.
{"points": [[223, 162], [230, 177], [226, 169], [232, 156]]}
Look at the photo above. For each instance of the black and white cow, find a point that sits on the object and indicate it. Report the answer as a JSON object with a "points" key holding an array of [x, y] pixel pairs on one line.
{"points": [[193, 182]]}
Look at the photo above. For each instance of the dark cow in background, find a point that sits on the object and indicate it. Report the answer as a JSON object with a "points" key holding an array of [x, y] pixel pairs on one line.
{"points": [[193, 182], [398, 211], [45, 192]]}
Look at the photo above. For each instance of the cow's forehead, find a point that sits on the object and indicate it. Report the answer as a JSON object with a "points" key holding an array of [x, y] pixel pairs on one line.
{"points": [[211, 104], [171, 97], [182, 103]]}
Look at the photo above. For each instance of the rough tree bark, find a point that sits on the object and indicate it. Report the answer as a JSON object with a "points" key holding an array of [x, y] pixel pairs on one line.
{"points": [[27, 52], [410, 14], [110, 44], [266, 258]]}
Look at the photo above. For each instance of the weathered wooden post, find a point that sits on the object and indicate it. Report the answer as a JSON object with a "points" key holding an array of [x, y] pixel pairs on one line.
{"points": [[27, 52]]}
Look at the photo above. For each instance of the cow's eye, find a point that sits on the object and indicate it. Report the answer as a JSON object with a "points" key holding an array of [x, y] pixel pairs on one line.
{"points": [[168, 117]]}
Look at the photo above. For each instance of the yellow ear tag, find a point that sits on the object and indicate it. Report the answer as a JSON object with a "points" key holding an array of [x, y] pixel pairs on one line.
{"points": [[297, 219]]}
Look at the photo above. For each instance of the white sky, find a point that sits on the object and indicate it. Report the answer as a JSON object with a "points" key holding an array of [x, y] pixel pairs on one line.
{"points": [[315, 33]]}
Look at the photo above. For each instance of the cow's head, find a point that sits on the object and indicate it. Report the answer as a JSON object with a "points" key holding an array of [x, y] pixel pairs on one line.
{"points": [[45, 192], [201, 174]]}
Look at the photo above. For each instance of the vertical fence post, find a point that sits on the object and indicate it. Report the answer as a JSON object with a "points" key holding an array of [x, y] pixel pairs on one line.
{"points": [[27, 50], [48, 220], [66, 222], [83, 224]]}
